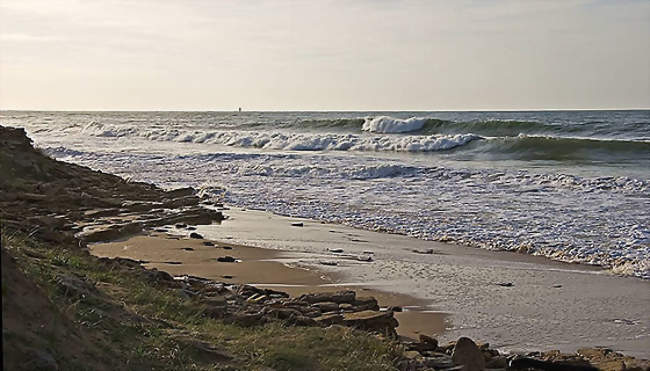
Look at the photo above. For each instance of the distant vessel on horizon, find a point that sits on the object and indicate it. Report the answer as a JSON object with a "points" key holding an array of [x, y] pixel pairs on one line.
{"points": [[239, 109]]}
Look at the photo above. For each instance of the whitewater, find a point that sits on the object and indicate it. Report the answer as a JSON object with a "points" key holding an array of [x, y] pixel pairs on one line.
{"points": [[572, 186]]}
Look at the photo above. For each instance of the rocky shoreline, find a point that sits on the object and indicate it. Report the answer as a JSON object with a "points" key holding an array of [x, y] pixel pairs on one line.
{"points": [[60, 203]]}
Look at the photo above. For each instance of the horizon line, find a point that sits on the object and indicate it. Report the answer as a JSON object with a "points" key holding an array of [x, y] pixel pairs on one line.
{"points": [[328, 110]]}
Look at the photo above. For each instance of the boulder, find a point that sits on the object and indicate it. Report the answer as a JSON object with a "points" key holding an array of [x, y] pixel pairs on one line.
{"points": [[196, 236], [468, 355]]}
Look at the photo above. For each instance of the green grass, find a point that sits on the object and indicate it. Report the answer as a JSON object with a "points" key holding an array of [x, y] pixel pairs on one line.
{"points": [[139, 323]]}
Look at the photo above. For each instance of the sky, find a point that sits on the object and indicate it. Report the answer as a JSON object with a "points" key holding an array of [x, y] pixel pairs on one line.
{"points": [[324, 55]]}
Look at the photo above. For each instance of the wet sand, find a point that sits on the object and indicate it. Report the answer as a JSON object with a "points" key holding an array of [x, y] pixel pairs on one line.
{"points": [[263, 268], [517, 302]]}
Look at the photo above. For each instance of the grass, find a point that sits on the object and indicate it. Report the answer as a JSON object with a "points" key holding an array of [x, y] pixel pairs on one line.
{"points": [[139, 325]]}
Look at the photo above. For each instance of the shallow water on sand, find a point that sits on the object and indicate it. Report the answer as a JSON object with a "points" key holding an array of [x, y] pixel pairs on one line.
{"points": [[550, 305]]}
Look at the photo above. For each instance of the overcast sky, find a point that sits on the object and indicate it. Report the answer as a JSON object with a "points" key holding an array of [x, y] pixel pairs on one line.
{"points": [[324, 55]]}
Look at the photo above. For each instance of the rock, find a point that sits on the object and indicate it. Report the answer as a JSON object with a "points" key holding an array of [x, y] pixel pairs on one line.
{"points": [[329, 319], [196, 236], [427, 251], [227, 277], [346, 307], [297, 224], [439, 361], [208, 243], [525, 363], [336, 297], [365, 303], [497, 362], [505, 284], [425, 339], [368, 252], [226, 259], [226, 247], [329, 262], [467, 354], [181, 225], [394, 309], [327, 306], [364, 258], [382, 322], [187, 248], [335, 250]]}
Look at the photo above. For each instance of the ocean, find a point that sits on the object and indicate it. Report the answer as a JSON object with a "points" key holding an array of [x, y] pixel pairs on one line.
{"points": [[569, 185]]}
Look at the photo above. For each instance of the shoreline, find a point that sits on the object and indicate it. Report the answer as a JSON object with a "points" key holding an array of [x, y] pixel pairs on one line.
{"points": [[434, 312], [264, 269]]}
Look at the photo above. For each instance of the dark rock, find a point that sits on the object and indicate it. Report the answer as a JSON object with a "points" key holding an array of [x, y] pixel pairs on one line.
{"points": [[208, 243], [382, 322], [329, 262], [227, 277], [181, 225], [335, 250], [191, 228], [424, 339], [336, 297], [327, 306], [427, 251], [525, 363], [226, 247], [505, 284], [467, 354], [394, 309], [297, 224], [226, 259], [196, 236], [365, 303], [187, 248]]}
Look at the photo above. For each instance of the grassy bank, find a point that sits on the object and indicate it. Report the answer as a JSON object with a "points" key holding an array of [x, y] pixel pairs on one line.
{"points": [[135, 323]]}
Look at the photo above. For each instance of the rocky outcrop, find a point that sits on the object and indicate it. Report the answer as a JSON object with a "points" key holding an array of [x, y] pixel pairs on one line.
{"points": [[58, 200]]}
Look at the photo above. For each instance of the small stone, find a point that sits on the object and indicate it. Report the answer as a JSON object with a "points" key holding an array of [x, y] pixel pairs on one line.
{"points": [[226, 259], [297, 224], [187, 248], [329, 262], [208, 243], [191, 228], [337, 250], [196, 236], [505, 284], [227, 277], [181, 225]]}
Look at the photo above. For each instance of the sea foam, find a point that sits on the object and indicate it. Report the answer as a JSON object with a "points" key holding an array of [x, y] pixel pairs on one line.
{"points": [[387, 124]]}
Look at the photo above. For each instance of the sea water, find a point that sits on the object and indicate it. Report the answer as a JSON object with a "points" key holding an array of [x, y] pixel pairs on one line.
{"points": [[569, 185]]}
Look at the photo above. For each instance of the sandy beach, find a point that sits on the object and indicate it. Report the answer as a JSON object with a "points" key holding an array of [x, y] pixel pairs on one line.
{"points": [[262, 268], [516, 302]]}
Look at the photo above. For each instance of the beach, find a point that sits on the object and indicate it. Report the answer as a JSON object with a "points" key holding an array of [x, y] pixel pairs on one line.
{"points": [[517, 302]]}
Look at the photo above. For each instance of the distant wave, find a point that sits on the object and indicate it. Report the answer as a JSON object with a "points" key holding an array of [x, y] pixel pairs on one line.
{"points": [[289, 141], [387, 124]]}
